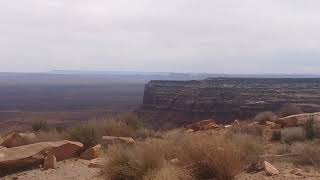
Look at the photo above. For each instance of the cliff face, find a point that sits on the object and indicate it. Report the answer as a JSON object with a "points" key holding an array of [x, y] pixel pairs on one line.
{"points": [[226, 99]]}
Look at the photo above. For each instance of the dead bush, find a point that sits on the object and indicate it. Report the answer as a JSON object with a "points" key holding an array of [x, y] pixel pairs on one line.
{"points": [[264, 117], [310, 152], [250, 129], [290, 109], [293, 134]]}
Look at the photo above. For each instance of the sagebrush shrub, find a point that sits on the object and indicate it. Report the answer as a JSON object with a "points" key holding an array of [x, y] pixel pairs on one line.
{"points": [[86, 134], [40, 125], [309, 128]]}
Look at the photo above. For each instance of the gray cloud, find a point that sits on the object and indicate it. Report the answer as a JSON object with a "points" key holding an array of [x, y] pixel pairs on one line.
{"points": [[230, 36]]}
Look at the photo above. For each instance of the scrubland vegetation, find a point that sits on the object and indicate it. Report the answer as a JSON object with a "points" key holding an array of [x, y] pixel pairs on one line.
{"points": [[223, 153], [197, 156]]}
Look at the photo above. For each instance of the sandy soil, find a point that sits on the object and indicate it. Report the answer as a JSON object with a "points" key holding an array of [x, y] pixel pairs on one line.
{"points": [[288, 171], [67, 170]]}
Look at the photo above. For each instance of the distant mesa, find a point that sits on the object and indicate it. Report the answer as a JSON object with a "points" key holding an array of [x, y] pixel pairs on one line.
{"points": [[226, 99]]}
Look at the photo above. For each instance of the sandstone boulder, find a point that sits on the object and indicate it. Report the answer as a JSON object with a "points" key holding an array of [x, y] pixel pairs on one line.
{"points": [[189, 131], [50, 162], [269, 169], [18, 139], [33, 154], [96, 163], [299, 119], [92, 153], [109, 140], [203, 125]]}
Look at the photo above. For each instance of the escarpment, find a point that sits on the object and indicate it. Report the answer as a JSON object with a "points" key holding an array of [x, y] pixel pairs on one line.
{"points": [[226, 99]]}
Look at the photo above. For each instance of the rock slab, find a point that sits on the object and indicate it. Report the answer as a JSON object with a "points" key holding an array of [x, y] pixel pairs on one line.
{"points": [[34, 154], [18, 139]]}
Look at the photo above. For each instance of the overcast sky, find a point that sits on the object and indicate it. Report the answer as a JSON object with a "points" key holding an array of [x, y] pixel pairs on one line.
{"points": [[215, 36]]}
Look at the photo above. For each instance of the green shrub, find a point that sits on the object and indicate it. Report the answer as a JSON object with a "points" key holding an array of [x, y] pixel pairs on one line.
{"points": [[40, 125], [86, 134], [309, 128]]}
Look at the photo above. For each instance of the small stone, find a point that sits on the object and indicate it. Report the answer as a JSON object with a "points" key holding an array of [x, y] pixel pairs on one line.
{"points": [[92, 153], [189, 131], [297, 172], [269, 169], [50, 162], [174, 161]]}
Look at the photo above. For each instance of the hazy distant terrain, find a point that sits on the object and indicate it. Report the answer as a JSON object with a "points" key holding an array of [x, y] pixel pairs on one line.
{"points": [[69, 96]]}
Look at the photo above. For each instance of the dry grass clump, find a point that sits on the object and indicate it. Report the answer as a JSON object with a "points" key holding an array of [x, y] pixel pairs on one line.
{"points": [[126, 163], [116, 128], [310, 152], [199, 155], [250, 129], [264, 117], [250, 147], [290, 109], [126, 125], [293, 134]]}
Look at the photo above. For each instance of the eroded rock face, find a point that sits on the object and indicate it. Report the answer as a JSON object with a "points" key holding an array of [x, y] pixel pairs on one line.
{"points": [[109, 140], [33, 154], [227, 99], [18, 139], [92, 153]]}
